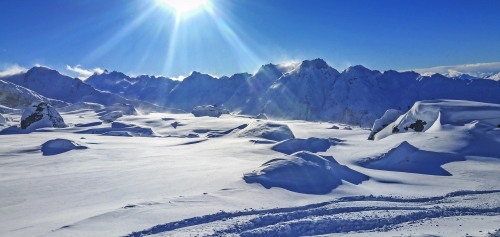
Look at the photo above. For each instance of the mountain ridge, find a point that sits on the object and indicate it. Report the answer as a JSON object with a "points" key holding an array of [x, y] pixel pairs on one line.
{"points": [[311, 90]]}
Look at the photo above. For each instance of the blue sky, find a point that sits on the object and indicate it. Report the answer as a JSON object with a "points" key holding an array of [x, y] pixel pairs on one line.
{"points": [[230, 36]]}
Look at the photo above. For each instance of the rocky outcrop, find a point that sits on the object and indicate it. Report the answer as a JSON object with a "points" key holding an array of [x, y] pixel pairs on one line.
{"points": [[41, 114]]}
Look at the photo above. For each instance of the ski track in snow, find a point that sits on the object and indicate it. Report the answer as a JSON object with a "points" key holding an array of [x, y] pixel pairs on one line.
{"points": [[355, 213]]}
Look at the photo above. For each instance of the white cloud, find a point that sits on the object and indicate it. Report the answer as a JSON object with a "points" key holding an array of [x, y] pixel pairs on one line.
{"points": [[12, 70], [84, 73], [179, 78], [477, 69]]}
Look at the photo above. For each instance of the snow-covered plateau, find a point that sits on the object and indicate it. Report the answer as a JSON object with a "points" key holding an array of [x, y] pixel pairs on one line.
{"points": [[242, 176], [287, 151]]}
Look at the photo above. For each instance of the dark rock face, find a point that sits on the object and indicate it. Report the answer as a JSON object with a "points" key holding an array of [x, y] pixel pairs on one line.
{"points": [[418, 126], [39, 111], [395, 129]]}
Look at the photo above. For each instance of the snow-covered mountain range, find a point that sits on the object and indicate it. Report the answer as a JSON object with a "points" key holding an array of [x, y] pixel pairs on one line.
{"points": [[310, 90]]}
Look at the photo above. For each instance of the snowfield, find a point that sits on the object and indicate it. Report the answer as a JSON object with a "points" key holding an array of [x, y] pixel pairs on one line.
{"points": [[176, 174]]}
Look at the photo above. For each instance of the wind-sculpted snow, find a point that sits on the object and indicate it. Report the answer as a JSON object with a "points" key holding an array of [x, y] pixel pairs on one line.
{"points": [[208, 110], [311, 144], [304, 172], [58, 146], [268, 130], [432, 115], [82, 106], [215, 134], [357, 213], [3, 121], [122, 129], [406, 158], [389, 116]]}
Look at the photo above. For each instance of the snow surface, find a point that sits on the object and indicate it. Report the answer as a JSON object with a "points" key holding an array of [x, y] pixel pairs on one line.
{"points": [[311, 144], [208, 110], [437, 115], [58, 146], [174, 184], [3, 121], [80, 106], [389, 116], [304, 172], [268, 130]]}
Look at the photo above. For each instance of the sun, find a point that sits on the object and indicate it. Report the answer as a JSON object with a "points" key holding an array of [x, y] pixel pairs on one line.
{"points": [[183, 6]]}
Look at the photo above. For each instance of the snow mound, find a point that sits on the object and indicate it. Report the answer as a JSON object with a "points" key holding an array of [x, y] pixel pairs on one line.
{"points": [[208, 110], [389, 116], [261, 116], [39, 115], [268, 130], [432, 115], [215, 134], [311, 144], [125, 109], [111, 116], [123, 129], [82, 106], [118, 134], [122, 125], [404, 157], [304, 172], [57, 146]]}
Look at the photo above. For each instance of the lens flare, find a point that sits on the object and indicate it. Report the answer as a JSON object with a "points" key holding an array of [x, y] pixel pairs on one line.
{"points": [[183, 6]]}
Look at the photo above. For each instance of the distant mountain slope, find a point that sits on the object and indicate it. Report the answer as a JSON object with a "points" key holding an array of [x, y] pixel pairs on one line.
{"points": [[52, 84], [15, 96], [114, 82], [201, 89], [310, 90], [249, 97], [302, 92], [495, 77]]}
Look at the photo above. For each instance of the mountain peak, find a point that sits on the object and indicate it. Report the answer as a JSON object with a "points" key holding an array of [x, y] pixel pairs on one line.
{"points": [[316, 63]]}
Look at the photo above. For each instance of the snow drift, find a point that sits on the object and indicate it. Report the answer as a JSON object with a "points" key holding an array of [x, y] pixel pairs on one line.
{"points": [[304, 172], [39, 115], [389, 116], [2, 120], [433, 115], [115, 111], [404, 157], [268, 130], [122, 129], [208, 110], [57, 146], [311, 144], [82, 106]]}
